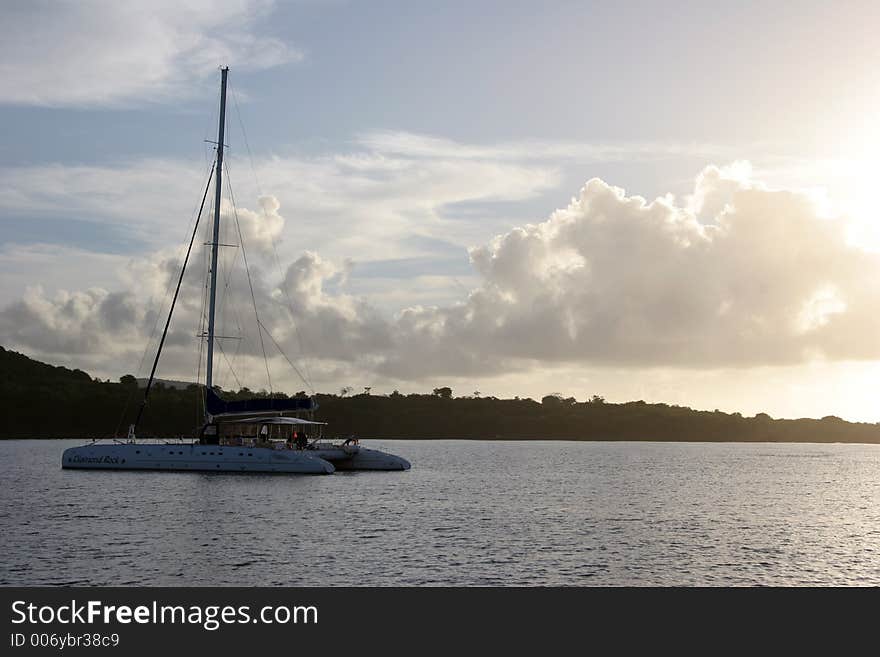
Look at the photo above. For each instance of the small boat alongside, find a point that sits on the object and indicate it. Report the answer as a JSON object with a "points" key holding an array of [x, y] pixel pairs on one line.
{"points": [[273, 434]]}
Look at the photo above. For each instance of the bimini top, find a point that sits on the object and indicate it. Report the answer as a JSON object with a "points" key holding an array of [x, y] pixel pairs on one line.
{"points": [[216, 406], [273, 420]]}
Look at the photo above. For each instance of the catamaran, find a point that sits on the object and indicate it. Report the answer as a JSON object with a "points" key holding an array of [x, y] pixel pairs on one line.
{"points": [[271, 434]]}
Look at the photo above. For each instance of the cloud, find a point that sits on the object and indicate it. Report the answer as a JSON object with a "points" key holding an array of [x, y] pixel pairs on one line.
{"points": [[123, 196], [414, 145], [88, 54], [733, 275], [52, 266], [360, 208], [261, 229], [392, 196], [359, 204], [81, 322], [616, 280], [110, 330]]}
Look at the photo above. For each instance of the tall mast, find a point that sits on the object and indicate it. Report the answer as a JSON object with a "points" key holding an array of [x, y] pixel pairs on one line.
{"points": [[215, 242]]}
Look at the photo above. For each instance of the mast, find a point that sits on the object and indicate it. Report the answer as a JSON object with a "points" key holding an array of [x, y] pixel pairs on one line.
{"points": [[216, 235]]}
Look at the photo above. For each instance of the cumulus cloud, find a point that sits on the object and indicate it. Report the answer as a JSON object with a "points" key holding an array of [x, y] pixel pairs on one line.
{"points": [[735, 274], [82, 322], [112, 53], [261, 229], [110, 331], [612, 279], [53, 266]]}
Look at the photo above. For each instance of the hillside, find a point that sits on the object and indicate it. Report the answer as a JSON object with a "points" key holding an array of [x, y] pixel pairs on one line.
{"points": [[40, 400]]}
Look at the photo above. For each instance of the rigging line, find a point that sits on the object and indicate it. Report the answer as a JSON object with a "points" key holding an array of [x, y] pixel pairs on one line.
{"points": [[220, 310], [203, 318], [203, 313], [210, 126], [199, 398], [299, 339], [239, 343], [152, 335], [293, 321], [247, 270], [295, 369], [227, 278], [203, 321], [231, 369], [253, 296], [306, 378], [152, 331], [227, 275], [173, 302]]}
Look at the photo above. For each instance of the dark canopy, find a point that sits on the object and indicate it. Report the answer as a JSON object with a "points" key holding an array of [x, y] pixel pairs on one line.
{"points": [[217, 406]]}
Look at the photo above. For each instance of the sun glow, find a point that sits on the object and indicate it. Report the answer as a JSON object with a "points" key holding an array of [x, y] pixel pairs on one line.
{"points": [[855, 180]]}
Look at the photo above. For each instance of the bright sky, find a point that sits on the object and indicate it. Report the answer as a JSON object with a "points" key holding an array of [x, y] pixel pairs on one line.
{"points": [[428, 168]]}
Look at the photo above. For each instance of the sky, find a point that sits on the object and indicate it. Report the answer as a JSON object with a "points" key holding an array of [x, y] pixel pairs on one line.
{"points": [[671, 201]]}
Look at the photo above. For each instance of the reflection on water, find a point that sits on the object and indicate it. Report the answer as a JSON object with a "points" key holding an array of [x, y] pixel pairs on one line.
{"points": [[468, 513]]}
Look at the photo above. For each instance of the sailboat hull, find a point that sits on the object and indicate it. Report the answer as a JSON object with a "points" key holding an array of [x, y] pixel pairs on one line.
{"points": [[192, 457]]}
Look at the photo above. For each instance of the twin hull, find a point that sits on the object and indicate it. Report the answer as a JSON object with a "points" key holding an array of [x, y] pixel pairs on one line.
{"points": [[225, 458]]}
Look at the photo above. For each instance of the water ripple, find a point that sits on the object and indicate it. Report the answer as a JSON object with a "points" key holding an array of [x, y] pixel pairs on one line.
{"points": [[468, 514]]}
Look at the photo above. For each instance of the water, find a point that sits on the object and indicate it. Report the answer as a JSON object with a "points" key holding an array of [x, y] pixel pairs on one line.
{"points": [[468, 513]]}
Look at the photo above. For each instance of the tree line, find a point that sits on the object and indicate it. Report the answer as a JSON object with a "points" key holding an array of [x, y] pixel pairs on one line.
{"points": [[44, 401]]}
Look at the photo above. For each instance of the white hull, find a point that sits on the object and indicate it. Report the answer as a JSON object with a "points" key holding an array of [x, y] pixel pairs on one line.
{"points": [[192, 457], [324, 458]]}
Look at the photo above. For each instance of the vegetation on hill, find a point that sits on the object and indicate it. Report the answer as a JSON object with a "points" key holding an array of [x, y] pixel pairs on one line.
{"points": [[40, 400]]}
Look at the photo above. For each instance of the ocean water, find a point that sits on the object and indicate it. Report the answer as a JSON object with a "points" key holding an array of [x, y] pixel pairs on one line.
{"points": [[471, 513]]}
